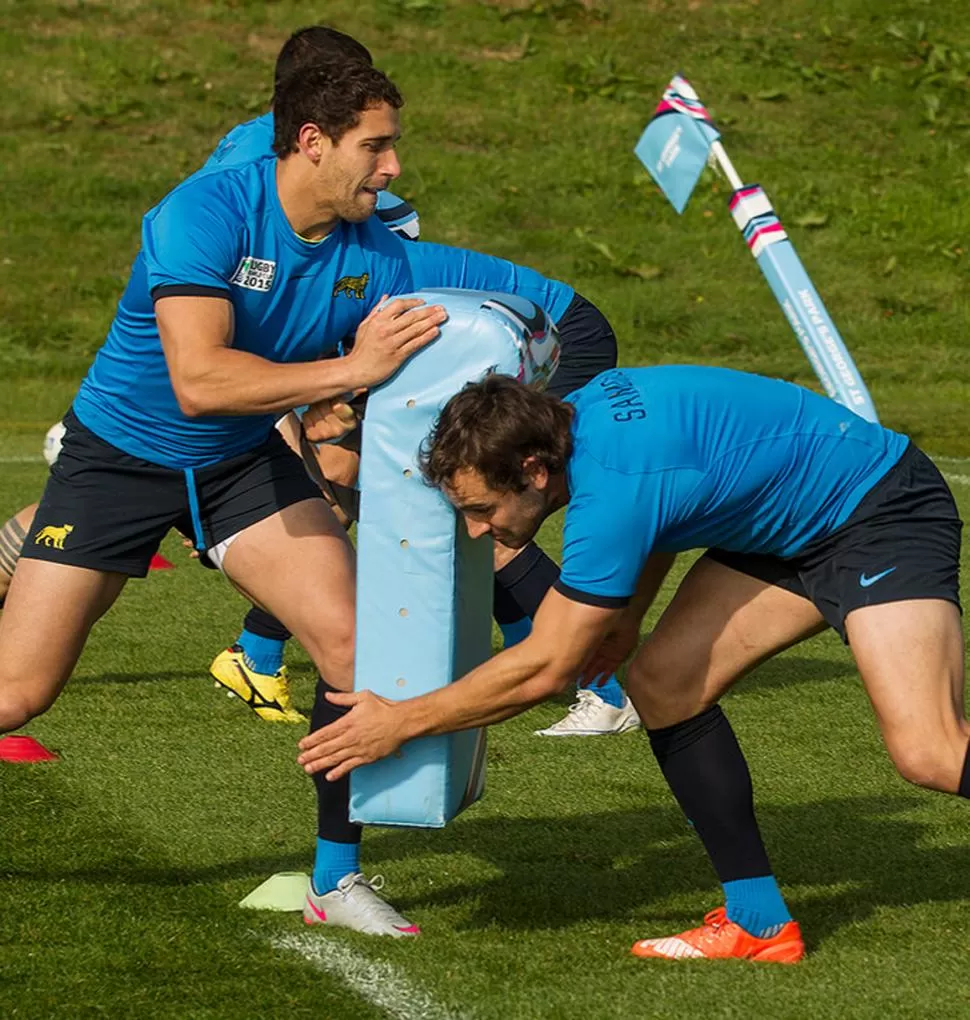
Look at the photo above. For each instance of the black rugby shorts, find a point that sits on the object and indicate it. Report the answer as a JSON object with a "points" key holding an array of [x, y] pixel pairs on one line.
{"points": [[901, 542], [106, 510]]}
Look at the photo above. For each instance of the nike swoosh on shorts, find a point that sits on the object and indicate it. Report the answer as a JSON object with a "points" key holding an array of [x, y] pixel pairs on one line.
{"points": [[866, 582]]}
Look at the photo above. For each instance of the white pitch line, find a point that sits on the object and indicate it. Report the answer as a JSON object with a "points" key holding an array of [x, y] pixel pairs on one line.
{"points": [[13, 459], [376, 981]]}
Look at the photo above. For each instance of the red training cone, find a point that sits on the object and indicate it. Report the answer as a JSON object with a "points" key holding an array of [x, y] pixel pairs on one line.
{"points": [[19, 748], [160, 563]]}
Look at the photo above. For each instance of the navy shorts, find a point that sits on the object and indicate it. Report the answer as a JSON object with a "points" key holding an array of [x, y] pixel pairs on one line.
{"points": [[901, 542], [106, 510], [587, 347]]}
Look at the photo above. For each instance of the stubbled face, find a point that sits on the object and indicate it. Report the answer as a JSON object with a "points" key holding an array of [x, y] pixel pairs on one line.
{"points": [[512, 518], [361, 164]]}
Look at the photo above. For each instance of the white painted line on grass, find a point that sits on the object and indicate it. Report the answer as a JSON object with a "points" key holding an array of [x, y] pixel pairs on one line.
{"points": [[376, 981], [959, 479], [14, 459]]}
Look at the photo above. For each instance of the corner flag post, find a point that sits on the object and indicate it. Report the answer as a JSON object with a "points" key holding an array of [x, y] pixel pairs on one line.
{"points": [[674, 148]]}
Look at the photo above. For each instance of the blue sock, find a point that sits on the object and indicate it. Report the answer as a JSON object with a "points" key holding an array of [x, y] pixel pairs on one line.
{"points": [[757, 905], [263, 654], [332, 862], [513, 633], [611, 692]]}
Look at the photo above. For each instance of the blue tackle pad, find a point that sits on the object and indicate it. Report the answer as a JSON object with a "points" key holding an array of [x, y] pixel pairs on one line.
{"points": [[424, 588]]}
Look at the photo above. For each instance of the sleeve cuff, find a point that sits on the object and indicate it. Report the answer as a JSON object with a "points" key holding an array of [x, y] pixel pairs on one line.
{"points": [[398, 211], [589, 599], [187, 290]]}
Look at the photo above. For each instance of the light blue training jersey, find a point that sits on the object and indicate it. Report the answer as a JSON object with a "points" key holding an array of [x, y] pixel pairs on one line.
{"points": [[223, 233], [254, 140], [437, 266], [684, 457]]}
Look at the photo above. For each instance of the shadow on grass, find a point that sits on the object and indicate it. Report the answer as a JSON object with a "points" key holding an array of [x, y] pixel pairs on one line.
{"points": [[559, 871], [791, 670], [552, 872]]}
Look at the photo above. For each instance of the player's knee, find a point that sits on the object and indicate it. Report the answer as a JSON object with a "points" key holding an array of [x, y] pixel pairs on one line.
{"points": [[18, 707], [929, 765], [655, 688], [334, 656]]}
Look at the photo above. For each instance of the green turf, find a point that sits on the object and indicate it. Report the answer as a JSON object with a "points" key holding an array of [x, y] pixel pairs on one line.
{"points": [[120, 866]]}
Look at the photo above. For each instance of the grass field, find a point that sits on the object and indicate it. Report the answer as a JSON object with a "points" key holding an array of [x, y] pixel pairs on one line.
{"points": [[120, 867]]}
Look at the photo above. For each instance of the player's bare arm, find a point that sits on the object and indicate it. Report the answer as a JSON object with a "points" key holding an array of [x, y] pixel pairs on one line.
{"points": [[564, 635], [211, 378]]}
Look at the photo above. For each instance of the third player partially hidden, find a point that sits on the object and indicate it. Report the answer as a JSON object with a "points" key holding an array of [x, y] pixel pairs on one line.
{"points": [[811, 516]]}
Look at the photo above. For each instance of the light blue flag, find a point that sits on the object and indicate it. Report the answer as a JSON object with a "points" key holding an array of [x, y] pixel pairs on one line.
{"points": [[675, 144]]}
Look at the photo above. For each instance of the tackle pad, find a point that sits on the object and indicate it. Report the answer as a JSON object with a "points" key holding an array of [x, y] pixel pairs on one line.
{"points": [[424, 588]]}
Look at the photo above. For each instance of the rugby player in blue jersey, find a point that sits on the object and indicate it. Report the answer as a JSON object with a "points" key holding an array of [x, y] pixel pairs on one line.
{"points": [[811, 517], [315, 46], [252, 666], [248, 276]]}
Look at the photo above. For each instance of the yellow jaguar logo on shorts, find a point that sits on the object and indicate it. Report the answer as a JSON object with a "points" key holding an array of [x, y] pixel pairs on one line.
{"points": [[352, 286], [53, 536]]}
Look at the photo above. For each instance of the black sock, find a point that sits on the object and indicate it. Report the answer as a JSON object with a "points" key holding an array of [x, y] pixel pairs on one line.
{"points": [[964, 788], [706, 771], [333, 799], [258, 621], [522, 584]]}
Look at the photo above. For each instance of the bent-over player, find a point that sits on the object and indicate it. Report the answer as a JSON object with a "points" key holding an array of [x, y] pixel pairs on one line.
{"points": [[812, 518]]}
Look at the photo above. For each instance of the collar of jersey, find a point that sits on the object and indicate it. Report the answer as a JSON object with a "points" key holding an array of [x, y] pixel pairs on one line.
{"points": [[290, 236]]}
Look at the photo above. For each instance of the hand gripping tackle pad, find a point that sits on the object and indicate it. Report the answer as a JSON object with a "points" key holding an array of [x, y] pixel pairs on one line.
{"points": [[424, 589]]}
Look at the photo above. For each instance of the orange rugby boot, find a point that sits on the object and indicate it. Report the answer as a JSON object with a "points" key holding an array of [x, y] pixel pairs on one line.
{"points": [[721, 939]]}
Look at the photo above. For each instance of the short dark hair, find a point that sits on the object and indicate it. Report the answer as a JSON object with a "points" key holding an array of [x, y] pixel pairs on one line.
{"points": [[332, 98], [317, 46], [492, 426]]}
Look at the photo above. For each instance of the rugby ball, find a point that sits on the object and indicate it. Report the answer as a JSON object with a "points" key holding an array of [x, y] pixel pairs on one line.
{"points": [[52, 442]]}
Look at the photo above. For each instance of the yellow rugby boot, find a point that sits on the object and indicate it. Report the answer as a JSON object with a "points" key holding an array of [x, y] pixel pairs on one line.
{"points": [[268, 695]]}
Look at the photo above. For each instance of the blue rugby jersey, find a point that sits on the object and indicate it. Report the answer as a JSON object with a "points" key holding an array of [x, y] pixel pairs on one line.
{"points": [[437, 265], [684, 457], [254, 140], [223, 233]]}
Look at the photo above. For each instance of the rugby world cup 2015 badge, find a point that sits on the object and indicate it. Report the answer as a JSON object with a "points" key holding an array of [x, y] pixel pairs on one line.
{"points": [[254, 274]]}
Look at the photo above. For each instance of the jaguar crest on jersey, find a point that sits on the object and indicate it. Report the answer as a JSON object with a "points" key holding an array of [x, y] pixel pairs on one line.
{"points": [[254, 274], [352, 286]]}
